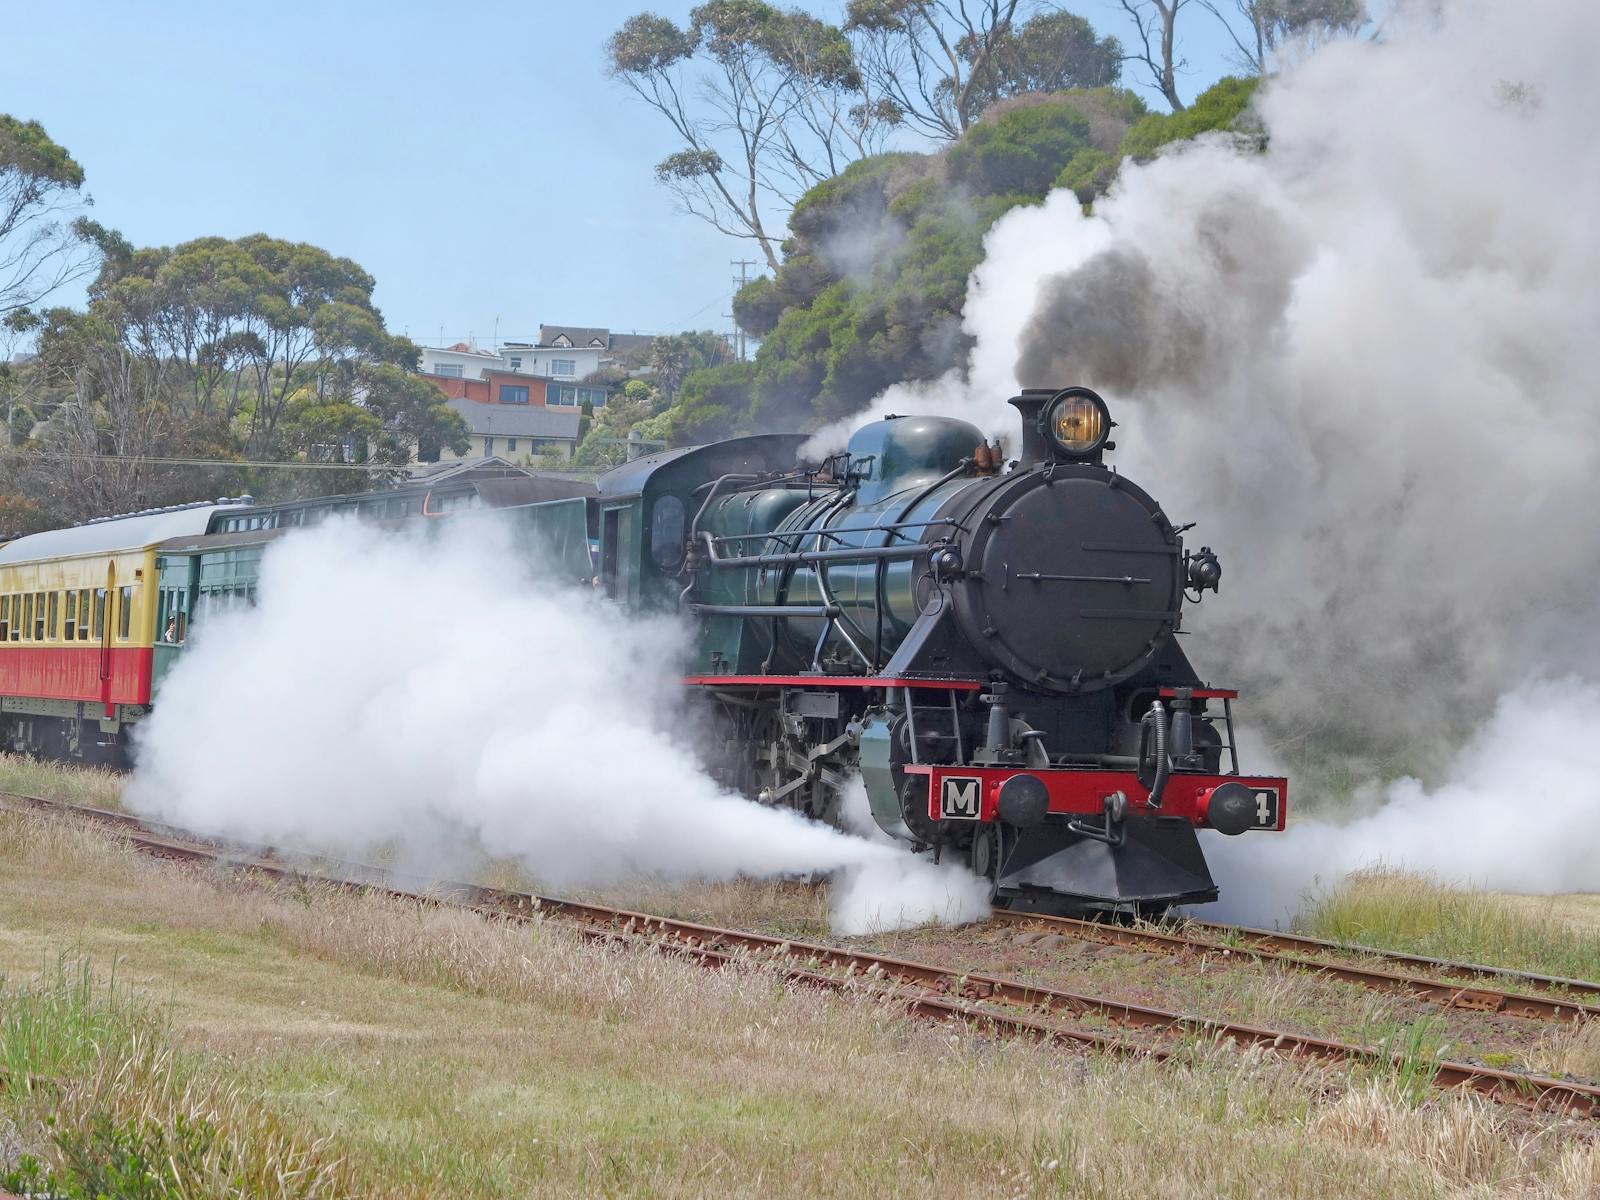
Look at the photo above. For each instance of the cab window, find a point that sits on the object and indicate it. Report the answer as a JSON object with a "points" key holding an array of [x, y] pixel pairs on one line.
{"points": [[666, 533]]}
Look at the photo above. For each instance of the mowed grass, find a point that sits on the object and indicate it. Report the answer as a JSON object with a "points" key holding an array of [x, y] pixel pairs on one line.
{"points": [[318, 1043], [95, 786], [1398, 910]]}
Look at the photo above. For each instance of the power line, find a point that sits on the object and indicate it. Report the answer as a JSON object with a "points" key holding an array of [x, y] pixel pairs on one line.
{"points": [[684, 324], [146, 460]]}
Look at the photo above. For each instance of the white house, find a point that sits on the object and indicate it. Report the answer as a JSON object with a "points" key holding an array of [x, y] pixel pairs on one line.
{"points": [[566, 352], [460, 361], [518, 434]]}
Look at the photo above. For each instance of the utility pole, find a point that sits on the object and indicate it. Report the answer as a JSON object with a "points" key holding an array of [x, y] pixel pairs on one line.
{"points": [[744, 265]]}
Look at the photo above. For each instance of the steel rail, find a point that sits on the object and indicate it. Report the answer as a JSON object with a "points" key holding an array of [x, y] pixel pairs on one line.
{"points": [[1270, 939], [944, 993], [1435, 991]]}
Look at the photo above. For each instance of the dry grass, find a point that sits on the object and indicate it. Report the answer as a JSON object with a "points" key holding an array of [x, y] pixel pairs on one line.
{"points": [[436, 1053], [792, 908], [1571, 1050], [1577, 910], [1397, 910], [1463, 1143], [96, 1083], [56, 781]]}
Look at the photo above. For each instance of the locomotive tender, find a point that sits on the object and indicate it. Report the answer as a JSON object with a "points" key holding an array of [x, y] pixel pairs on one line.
{"points": [[989, 644]]}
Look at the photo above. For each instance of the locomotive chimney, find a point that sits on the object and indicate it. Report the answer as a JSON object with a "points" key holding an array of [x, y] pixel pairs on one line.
{"points": [[1035, 448]]}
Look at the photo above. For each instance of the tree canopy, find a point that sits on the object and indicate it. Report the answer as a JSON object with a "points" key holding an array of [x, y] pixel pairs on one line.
{"points": [[234, 349], [767, 102], [41, 240], [875, 270]]}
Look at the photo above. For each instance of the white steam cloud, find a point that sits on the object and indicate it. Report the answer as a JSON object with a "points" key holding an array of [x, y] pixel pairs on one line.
{"points": [[1365, 362], [435, 693], [1513, 812]]}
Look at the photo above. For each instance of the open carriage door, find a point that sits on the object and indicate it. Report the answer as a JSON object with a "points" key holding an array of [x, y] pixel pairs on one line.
{"points": [[102, 620]]}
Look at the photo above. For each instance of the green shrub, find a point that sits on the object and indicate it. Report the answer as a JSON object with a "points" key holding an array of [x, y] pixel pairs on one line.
{"points": [[1221, 106], [1020, 152]]}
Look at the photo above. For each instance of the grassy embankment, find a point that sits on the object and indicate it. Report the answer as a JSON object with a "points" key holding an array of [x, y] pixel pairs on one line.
{"points": [[1396, 910], [323, 1044], [79, 785]]}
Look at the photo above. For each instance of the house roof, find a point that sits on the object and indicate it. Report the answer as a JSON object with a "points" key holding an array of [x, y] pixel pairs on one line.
{"points": [[581, 336], [624, 342], [492, 467], [584, 337], [515, 420], [460, 348]]}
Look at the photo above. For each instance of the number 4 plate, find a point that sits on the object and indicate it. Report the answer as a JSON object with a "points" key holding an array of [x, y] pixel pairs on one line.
{"points": [[1266, 807]]}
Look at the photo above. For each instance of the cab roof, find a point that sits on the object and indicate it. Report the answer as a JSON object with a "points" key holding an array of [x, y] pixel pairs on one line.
{"points": [[761, 452]]}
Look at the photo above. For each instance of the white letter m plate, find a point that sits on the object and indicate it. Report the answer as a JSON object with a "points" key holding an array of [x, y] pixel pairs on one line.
{"points": [[958, 797]]}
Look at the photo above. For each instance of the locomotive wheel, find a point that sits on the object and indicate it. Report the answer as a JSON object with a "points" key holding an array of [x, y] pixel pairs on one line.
{"points": [[981, 855], [914, 810]]}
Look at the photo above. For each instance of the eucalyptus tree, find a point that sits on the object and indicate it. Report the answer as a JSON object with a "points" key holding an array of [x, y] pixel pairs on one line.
{"points": [[1260, 28], [765, 101], [214, 350], [42, 226], [934, 60]]}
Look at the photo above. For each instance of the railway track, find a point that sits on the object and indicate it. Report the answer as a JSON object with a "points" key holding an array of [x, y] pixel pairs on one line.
{"points": [[992, 1004], [1364, 966]]}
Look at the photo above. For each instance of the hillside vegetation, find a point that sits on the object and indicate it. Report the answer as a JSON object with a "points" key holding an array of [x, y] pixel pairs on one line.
{"points": [[875, 270]]}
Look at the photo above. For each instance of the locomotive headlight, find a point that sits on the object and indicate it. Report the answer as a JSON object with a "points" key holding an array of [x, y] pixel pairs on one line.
{"points": [[1077, 421]]}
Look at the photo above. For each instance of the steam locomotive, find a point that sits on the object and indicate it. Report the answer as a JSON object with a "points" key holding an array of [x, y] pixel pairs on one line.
{"points": [[987, 643]]}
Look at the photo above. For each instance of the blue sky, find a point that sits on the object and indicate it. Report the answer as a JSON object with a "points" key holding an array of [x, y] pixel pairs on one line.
{"points": [[472, 156]]}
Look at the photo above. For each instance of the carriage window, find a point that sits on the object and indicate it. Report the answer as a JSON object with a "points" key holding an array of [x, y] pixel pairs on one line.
{"points": [[174, 621], [38, 616], [70, 628], [52, 621], [83, 615], [124, 612], [99, 612], [5, 618], [666, 533]]}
